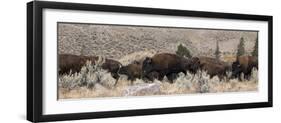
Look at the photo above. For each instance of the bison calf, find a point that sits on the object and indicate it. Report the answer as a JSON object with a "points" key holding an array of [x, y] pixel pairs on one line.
{"points": [[134, 71]]}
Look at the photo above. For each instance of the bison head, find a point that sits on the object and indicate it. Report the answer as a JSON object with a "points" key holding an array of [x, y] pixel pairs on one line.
{"points": [[236, 69], [147, 66]]}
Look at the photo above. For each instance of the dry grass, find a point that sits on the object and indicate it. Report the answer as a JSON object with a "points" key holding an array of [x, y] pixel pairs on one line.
{"points": [[165, 89], [229, 58]]}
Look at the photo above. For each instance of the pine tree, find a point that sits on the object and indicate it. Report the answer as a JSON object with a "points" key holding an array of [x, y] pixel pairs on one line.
{"points": [[183, 51], [217, 52], [241, 47], [255, 51]]}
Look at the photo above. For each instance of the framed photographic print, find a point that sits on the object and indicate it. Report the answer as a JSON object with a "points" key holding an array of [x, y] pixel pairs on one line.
{"points": [[89, 61]]}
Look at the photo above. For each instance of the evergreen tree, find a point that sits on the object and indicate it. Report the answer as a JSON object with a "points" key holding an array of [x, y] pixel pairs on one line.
{"points": [[241, 47], [183, 51], [255, 51], [217, 52]]}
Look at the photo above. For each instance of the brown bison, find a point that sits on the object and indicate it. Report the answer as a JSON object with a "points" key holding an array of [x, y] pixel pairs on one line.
{"points": [[244, 64], [152, 76], [134, 71], [169, 65], [214, 67], [74, 63]]}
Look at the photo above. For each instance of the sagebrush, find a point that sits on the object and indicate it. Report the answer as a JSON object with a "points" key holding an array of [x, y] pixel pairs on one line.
{"points": [[93, 81]]}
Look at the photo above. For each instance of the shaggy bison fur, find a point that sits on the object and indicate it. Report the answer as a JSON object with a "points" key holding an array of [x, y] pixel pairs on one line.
{"points": [[134, 71], [169, 65], [244, 64], [69, 63], [214, 67]]}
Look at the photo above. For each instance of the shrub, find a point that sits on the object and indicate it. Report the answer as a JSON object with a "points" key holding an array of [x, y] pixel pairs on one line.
{"points": [[89, 76], [203, 82], [241, 47], [183, 51], [70, 81], [93, 81], [217, 52], [255, 51], [254, 75]]}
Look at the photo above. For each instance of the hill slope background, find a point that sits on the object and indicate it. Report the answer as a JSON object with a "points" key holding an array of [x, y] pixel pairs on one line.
{"points": [[115, 41]]}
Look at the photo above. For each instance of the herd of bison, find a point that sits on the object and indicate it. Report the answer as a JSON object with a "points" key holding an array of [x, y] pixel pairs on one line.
{"points": [[161, 65]]}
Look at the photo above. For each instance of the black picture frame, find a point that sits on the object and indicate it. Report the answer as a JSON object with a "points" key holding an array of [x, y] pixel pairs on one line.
{"points": [[35, 69]]}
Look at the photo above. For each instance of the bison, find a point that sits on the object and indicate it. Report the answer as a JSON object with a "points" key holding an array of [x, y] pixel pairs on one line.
{"points": [[166, 64], [74, 63], [69, 62], [152, 76], [244, 64], [214, 67], [134, 71]]}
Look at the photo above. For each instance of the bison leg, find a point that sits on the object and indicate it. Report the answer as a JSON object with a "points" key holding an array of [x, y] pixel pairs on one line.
{"points": [[222, 77], [115, 76], [152, 75], [248, 76], [172, 77]]}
